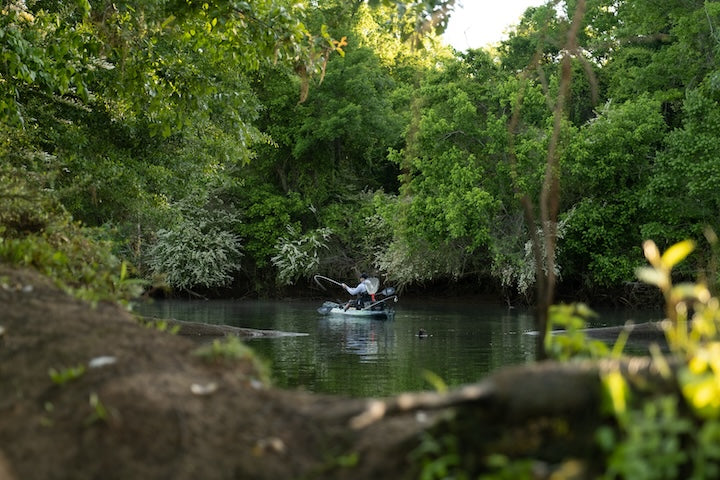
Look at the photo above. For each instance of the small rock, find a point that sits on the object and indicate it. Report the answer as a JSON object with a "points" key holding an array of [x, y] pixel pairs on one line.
{"points": [[207, 389], [102, 361]]}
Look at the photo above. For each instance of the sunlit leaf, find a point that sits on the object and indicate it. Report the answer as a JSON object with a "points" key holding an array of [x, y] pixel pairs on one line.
{"points": [[617, 391], [651, 252], [697, 365], [677, 253], [123, 271], [651, 276], [701, 392], [435, 380]]}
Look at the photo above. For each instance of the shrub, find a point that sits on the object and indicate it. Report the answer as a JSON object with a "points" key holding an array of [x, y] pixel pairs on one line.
{"points": [[196, 252]]}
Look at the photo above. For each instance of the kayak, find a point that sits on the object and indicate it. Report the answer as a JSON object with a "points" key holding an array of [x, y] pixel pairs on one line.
{"points": [[376, 306], [333, 308]]}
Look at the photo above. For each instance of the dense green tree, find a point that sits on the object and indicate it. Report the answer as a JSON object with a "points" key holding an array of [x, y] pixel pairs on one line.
{"points": [[448, 198], [330, 151], [610, 163], [681, 197], [137, 107]]}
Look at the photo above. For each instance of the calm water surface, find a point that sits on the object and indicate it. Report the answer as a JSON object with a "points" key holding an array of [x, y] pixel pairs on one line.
{"points": [[362, 357]]}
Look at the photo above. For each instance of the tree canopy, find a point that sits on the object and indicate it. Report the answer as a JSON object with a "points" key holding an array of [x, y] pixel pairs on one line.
{"points": [[297, 138]]}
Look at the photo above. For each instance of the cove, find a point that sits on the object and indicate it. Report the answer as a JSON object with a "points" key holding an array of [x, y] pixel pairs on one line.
{"points": [[371, 358]]}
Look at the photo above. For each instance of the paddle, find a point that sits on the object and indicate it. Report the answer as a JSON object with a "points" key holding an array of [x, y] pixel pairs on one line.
{"points": [[380, 301]]}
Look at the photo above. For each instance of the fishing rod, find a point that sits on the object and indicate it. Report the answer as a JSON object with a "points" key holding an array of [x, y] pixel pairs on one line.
{"points": [[371, 283], [316, 277]]}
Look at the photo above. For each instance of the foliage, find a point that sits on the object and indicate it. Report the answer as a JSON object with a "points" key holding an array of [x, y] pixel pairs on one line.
{"points": [[361, 234], [438, 458], [652, 442], [447, 204], [229, 349], [297, 256], [161, 326], [61, 377], [680, 197], [41, 51], [502, 468], [571, 341], [328, 160], [197, 251], [692, 328], [100, 412], [143, 104], [517, 269], [37, 232], [232, 350], [656, 434], [125, 111]]}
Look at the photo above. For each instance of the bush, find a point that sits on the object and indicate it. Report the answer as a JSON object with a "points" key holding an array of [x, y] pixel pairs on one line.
{"points": [[196, 252], [36, 232]]}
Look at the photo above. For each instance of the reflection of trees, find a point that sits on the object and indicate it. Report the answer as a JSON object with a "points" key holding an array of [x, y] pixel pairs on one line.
{"points": [[369, 339]]}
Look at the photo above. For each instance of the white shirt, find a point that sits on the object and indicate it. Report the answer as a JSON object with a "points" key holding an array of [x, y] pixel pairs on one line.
{"points": [[361, 288]]}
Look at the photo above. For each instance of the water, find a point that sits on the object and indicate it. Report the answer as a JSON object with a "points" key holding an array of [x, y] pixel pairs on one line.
{"points": [[362, 357]]}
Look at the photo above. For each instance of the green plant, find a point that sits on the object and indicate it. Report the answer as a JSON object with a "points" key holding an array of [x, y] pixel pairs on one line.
{"points": [[571, 341], [232, 349], [692, 328], [652, 442], [162, 326], [503, 468], [297, 255], [194, 253], [36, 232], [667, 436], [99, 412], [61, 377], [438, 457], [435, 381]]}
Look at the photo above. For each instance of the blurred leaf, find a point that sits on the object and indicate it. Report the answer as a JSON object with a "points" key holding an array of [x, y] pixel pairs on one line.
{"points": [[652, 276], [677, 253]]}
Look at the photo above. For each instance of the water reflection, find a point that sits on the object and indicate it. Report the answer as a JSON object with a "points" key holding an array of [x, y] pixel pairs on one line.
{"points": [[367, 338]]}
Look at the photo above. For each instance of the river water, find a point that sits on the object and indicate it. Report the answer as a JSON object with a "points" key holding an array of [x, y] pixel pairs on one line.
{"points": [[364, 358]]}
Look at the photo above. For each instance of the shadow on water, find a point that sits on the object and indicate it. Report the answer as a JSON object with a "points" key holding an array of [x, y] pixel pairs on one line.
{"points": [[365, 357]]}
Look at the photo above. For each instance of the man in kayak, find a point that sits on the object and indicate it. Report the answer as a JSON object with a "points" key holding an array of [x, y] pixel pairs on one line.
{"points": [[361, 291]]}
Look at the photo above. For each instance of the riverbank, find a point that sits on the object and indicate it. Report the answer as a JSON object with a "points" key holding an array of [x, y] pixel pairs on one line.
{"points": [[629, 295], [88, 392]]}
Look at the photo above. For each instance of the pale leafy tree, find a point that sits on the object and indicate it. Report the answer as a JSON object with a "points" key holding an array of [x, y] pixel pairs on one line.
{"points": [[200, 250], [519, 271], [298, 255]]}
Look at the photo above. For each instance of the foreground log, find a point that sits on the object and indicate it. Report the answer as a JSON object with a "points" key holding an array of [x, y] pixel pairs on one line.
{"points": [[127, 401]]}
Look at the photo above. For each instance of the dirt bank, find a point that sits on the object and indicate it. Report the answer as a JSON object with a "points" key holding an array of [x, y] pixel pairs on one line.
{"points": [[153, 410]]}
